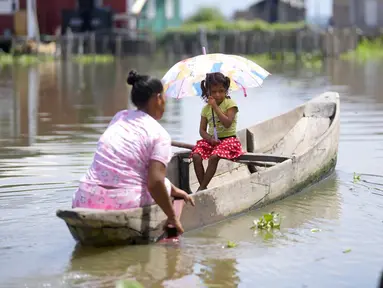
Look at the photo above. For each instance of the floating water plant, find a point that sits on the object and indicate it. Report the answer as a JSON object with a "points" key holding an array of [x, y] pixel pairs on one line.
{"points": [[268, 221], [356, 178], [231, 244], [314, 230], [128, 284], [347, 251]]}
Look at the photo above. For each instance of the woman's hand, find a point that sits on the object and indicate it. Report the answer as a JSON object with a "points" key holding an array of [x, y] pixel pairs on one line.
{"points": [[175, 222], [211, 101]]}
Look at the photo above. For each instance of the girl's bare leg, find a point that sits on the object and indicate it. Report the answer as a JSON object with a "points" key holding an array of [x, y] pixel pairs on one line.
{"points": [[198, 168], [210, 171]]}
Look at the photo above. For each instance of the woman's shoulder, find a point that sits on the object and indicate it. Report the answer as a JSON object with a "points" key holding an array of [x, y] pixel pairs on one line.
{"points": [[156, 130]]}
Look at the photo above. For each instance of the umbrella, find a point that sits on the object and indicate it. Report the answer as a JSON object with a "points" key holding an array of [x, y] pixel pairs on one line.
{"points": [[184, 78]]}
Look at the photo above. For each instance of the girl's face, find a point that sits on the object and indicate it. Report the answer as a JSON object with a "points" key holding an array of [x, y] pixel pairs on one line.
{"points": [[218, 92]]}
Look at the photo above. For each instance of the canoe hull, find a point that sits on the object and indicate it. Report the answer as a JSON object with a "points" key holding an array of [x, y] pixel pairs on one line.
{"points": [[236, 188]]}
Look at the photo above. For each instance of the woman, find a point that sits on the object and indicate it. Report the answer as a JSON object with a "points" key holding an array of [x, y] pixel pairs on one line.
{"points": [[129, 165]]}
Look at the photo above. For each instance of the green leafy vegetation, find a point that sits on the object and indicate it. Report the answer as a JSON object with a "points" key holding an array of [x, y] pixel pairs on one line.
{"points": [[268, 221], [206, 14], [128, 284], [356, 178], [307, 60], [9, 59], [240, 25], [93, 58], [231, 244], [212, 19], [367, 49]]}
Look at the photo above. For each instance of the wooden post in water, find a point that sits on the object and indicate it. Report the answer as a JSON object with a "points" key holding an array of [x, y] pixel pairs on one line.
{"points": [[118, 46], [328, 43], [280, 45], [203, 37], [105, 40], [298, 45], [92, 43], [336, 45], [236, 41], [80, 47], [222, 42], [69, 46]]}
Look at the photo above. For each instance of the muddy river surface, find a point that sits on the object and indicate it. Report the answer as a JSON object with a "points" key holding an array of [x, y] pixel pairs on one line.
{"points": [[51, 117]]}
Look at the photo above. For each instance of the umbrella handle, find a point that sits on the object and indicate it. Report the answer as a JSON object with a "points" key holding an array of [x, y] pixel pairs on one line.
{"points": [[215, 127], [212, 112]]}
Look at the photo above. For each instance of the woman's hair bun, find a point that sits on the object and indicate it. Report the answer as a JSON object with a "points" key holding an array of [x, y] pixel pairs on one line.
{"points": [[133, 77]]}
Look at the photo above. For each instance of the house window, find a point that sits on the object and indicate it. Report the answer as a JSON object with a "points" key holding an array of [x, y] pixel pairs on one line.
{"points": [[15, 5], [151, 9], [169, 9], [371, 13], [9, 6]]}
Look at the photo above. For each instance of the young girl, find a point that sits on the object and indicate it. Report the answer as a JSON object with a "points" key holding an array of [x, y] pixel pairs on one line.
{"points": [[215, 90]]}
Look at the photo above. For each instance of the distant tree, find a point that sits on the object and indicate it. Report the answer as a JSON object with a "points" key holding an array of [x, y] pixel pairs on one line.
{"points": [[206, 14]]}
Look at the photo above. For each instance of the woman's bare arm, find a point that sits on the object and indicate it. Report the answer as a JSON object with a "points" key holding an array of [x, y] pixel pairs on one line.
{"points": [[157, 188]]}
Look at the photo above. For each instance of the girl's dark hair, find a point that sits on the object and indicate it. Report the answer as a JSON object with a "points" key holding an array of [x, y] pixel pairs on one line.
{"points": [[143, 87], [214, 79]]}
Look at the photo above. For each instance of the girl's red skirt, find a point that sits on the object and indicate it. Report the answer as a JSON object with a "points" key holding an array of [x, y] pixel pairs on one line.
{"points": [[229, 148]]}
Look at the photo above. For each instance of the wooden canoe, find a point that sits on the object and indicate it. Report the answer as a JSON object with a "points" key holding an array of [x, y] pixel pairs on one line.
{"points": [[285, 154]]}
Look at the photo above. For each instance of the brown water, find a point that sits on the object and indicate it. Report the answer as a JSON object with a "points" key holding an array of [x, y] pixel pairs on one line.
{"points": [[50, 119]]}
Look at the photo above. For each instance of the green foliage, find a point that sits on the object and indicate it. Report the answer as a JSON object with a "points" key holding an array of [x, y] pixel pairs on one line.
{"points": [[356, 178], [93, 58], [191, 27], [26, 60], [128, 284], [206, 14], [308, 60], [268, 221], [231, 244], [367, 49]]}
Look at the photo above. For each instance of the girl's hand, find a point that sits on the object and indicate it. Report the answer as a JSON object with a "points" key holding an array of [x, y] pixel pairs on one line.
{"points": [[213, 142], [179, 193], [188, 199], [211, 101]]}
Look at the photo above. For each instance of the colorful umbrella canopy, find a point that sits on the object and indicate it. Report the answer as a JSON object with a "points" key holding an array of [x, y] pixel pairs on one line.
{"points": [[184, 78]]}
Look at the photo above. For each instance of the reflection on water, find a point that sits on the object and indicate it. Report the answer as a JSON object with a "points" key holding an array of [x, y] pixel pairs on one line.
{"points": [[50, 119]]}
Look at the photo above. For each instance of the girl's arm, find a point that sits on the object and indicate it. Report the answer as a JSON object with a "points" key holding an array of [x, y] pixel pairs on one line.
{"points": [[178, 193], [202, 129], [228, 119]]}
